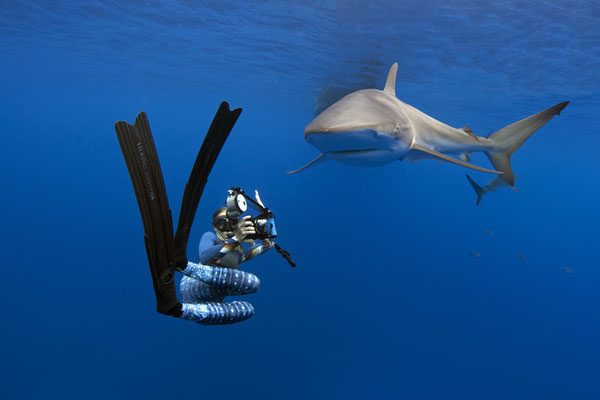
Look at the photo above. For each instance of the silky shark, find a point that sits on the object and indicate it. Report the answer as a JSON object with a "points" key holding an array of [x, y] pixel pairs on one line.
{"points": [[373, 127], [492, 186]]}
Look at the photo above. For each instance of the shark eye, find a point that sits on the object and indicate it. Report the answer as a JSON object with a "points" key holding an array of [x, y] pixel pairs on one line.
{"points": [[401, 128]]}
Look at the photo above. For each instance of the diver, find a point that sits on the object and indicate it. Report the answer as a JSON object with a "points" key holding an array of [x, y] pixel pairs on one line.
{"points": [[167, 250], [220, 254]]}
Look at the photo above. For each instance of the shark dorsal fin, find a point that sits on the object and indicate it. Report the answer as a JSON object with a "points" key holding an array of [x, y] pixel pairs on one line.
{"points": [[469, 132], [390, 84]]}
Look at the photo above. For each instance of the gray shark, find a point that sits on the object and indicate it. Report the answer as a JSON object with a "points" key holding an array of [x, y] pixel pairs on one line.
{"points": [[373, 127], [492, 186]]}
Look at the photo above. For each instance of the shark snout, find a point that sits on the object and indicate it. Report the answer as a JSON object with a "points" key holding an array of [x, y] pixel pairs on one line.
{"points": [[366, 147], [365, 128]]}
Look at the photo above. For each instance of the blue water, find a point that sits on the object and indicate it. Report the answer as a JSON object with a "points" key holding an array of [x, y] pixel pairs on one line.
{"points": [[386, 301]]}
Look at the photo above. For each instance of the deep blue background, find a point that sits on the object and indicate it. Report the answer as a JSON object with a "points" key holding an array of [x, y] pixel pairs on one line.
{"points": [[386, 301]]}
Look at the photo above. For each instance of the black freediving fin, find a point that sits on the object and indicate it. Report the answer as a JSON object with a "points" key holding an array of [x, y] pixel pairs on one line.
{"points": [[166, 252], [142, 162], [215, 138]]}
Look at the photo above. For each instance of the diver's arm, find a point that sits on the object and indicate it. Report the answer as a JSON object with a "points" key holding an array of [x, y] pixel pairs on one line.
{"points": [[211, 249], [261, 248], [257, 250]]}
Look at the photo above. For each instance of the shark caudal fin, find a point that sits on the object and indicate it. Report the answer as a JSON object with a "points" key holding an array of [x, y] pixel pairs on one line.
{"points": [[478, 189], [510, 138]]}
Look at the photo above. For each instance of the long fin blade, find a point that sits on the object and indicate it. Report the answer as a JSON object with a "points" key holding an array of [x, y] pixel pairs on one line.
{"points": [[216, 136], [390, 84], [452, 159], [317, 161], [141, 158]]}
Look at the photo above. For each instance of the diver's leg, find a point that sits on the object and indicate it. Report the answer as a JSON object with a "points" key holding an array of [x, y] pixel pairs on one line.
{"points": [[217, 313], [232, 281], [194, 291], [203, 289]]}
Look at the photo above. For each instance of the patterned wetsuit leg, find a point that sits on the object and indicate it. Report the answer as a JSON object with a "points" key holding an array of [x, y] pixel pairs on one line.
{"points": [[206, 286], [193, 291]]}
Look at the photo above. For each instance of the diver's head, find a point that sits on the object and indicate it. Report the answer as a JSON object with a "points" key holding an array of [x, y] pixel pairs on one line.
{"points": [[223, 225]]}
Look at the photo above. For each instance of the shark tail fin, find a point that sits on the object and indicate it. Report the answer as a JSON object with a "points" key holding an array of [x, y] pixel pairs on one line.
{"points": [[508, 139], [478, 189]]}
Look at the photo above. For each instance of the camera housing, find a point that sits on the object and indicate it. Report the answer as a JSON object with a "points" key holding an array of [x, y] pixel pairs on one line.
{"points": [[237, 204]]}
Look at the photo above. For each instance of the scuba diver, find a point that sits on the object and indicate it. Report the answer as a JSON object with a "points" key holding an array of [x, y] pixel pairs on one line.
{"points": [[166, 251]]}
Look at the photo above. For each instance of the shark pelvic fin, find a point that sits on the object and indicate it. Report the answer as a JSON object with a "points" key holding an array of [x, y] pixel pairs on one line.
{"points": [[317, 161], [465, 156], [390, 84], [452, 159]]}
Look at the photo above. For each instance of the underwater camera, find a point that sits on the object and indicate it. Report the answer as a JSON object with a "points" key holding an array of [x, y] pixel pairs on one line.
{"points": [[237, 204]]}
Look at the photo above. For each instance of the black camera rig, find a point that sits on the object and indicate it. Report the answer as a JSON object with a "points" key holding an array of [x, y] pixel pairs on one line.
{"points": [[238, 202]]}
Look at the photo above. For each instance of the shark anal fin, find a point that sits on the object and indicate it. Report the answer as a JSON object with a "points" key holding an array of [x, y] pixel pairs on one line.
{"points": [[317, 161], [452, 159]]}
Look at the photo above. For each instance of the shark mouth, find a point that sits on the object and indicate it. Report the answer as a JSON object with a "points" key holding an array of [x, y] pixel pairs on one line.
{"points": [[359, 140], [355, 153], [362, 158]]}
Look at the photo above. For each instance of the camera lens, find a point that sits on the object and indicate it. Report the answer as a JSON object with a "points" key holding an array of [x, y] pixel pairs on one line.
{"points": [[262, 226]]}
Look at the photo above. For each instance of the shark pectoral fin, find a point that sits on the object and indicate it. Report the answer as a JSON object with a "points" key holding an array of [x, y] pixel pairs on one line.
{"points": [[452, 159], [317, 161]]}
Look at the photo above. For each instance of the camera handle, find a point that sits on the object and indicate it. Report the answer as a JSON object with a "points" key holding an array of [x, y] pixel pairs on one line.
{"points": [[284, 254]]}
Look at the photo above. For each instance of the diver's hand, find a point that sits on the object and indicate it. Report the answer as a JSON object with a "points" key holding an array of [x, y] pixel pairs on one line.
{"points": [[243, 228]]}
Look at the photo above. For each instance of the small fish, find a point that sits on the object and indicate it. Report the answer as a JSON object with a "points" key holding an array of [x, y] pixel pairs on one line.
{"points": [[567, 270], [521, 257], [475, 254], [487, 232]]}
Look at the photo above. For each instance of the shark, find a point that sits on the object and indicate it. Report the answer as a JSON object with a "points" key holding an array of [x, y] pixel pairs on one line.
{"points": [[372, 127], [496, 183]]}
